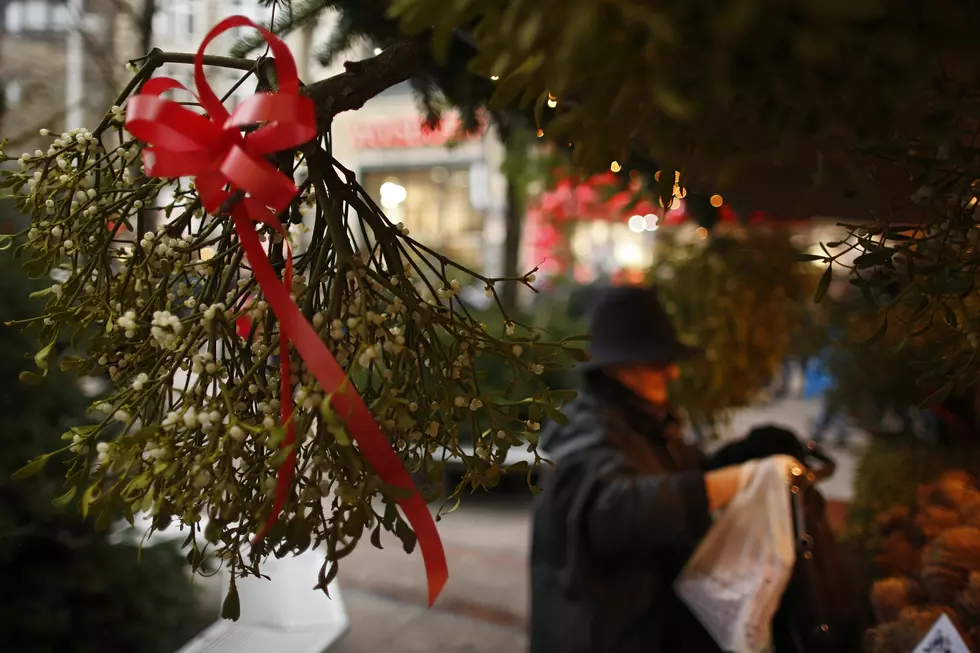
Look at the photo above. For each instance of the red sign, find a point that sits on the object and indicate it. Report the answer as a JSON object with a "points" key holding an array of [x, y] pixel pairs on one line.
{"points": [[410, 131]]}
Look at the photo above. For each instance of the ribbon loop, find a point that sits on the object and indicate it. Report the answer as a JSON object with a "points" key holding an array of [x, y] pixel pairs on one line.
{"points": [[212, 149]]}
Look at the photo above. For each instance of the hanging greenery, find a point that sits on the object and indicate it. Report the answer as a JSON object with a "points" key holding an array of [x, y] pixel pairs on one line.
{"points": [[191, 427]]}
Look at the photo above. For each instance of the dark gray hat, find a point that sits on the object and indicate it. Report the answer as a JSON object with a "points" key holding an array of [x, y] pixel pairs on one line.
{"points": [[629, 326]]}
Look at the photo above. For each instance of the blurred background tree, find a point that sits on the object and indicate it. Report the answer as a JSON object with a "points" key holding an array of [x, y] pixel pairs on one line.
{"points": [[743, 296], [68, 586]]}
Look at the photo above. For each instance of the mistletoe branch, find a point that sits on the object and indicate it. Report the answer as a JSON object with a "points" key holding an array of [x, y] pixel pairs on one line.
{"points": [[189, 428]]}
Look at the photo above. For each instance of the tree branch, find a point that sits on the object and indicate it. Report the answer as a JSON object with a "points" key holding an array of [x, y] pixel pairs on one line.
{"points": [[365, 79], [361, 81]]}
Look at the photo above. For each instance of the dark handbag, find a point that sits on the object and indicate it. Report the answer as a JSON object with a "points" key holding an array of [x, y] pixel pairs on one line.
{"points": [[820, 611]]}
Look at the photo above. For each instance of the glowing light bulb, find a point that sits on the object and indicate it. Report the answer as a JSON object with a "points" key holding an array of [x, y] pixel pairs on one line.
{"points": [[494, 78], [629, 255], [637, 224], [392, 194], [701, 232], [615, 167], [540, 133], [716, 201], [378, 51]]}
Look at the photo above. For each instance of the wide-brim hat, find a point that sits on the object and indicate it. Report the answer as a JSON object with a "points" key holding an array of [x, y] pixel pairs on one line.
{"points": [[629, 326]]}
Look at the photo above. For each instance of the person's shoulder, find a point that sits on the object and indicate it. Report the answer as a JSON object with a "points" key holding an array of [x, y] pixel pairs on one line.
{"points": [[583, 429]]}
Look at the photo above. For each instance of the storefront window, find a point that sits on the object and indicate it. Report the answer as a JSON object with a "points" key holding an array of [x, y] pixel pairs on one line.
{"points": [[434, 203]]}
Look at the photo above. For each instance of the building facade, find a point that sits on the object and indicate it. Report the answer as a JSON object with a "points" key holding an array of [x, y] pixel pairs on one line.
{"points": [[448, 190], [58, 66]]}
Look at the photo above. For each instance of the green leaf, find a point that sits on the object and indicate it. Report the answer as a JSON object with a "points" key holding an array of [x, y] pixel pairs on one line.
{"points": [[671, 102], [31, 378], [231, 607], [390, 515], [878, 334], [876, 257], [30, 469], [949, 316], [102, 521], [90, 495], [128, 513], [534, 412], [539, 106], [665, 185], [66, 498], [396, 492], [406, 535], [511, 86], [808, 258], [824, 284], [520, 466], [577, 354], [37, 294], [339, 434], [556, 415], [563, 396], [69, 363], [331, 574], [41, 357], [279, 457], [529, 31], [37, 267]]}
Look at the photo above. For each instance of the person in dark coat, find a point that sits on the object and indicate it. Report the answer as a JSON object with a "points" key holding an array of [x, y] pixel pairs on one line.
{"points": [[627, 501]]}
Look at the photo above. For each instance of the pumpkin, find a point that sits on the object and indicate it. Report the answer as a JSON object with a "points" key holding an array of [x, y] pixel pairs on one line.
{"points": [[889, 596], [953, 486], [948, 561], [905, 633], [968, 603], [934, 519], [897, 555]]}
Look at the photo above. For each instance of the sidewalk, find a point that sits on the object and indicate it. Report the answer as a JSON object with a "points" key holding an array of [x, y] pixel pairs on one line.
{"points": [[483, 608], [383, 625]]}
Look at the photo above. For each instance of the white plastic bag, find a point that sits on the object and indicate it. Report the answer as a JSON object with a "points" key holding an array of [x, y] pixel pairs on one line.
{"points": [[734, 581]]}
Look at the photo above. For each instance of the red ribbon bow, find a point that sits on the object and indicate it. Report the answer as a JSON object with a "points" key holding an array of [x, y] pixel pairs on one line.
{"points": [[224, 161]]}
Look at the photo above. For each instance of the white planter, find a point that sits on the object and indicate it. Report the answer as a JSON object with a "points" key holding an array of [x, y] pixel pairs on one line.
{"points": [[281, 615]]}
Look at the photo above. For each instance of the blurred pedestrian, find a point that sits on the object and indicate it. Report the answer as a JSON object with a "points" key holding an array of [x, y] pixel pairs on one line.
{"points": [[627, 502], [784, 385], [820, 383]]}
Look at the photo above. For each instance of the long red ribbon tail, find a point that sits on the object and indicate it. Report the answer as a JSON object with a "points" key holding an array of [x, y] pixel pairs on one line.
{"points": [[360, 423], [286, 474]]}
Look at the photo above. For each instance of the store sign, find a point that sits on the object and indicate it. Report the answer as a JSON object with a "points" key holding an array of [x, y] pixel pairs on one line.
{"points": [[410, 131]]}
